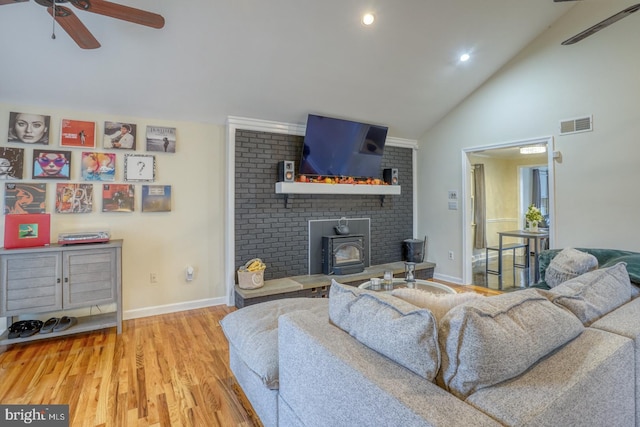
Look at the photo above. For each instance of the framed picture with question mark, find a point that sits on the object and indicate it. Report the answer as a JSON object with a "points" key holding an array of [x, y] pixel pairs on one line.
{"points": [[139, 167]]}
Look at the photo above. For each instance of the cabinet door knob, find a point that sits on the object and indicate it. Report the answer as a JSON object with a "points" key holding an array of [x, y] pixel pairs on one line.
{"points": [[66, 280], [58, 280]]}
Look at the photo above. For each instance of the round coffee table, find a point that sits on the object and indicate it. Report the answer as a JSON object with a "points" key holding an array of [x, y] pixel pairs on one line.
{"points": [[425, 285]]}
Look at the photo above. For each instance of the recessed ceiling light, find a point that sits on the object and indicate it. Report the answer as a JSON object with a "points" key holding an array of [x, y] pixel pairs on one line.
{"points": [[465, 57], [368, 19]]}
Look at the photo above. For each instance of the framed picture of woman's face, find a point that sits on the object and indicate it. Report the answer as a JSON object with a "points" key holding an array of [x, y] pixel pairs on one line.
{"points": [[29, 128], [51, 164], [139, 167]]}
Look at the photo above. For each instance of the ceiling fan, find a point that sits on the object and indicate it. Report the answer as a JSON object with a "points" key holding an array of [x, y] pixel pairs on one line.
{"points": [[600, 25], [76, 29]]}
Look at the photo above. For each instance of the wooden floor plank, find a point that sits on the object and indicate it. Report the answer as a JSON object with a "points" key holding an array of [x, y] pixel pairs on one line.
{"points": [[168, 370]]}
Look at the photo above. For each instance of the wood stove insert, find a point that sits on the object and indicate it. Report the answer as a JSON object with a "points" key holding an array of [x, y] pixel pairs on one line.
{"points": [[343, 254]]}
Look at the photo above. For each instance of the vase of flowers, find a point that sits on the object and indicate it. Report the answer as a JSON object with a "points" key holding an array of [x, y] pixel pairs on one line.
{"points": [[533, 217]]}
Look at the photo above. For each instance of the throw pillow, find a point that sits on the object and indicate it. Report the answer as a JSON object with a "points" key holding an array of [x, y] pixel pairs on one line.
{"points": [[632, 261], [594, 294], [394, 328], [493, 339], [438, 304], [567, 264]]}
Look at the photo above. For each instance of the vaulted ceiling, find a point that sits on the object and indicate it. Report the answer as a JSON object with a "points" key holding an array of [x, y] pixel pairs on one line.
{"points": [[274, 60]]}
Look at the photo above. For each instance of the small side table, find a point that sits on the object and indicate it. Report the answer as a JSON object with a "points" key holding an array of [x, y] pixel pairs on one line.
{"points": [[536, 236]]}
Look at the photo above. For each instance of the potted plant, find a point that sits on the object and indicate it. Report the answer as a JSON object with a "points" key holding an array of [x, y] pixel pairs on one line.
{"points": [[533, 217]]}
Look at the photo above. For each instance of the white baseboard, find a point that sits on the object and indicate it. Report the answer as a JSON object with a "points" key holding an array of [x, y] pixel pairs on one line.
{"points": [[172, 308], [450, 279], [160, 309], [209, 302]]}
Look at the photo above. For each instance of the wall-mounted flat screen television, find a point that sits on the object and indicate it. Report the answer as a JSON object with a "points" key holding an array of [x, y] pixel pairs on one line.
{"points": [[336, 147]]}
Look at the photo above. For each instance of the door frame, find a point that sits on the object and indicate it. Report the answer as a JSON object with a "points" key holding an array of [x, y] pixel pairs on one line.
{"points": [[467, 214]]}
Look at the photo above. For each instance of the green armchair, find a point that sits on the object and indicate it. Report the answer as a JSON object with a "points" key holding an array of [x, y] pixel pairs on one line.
{"points": [[605, 257]]}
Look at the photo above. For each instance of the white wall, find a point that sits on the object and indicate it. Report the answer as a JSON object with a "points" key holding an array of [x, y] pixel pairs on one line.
{"points": [[596, 180], [164, 243]]}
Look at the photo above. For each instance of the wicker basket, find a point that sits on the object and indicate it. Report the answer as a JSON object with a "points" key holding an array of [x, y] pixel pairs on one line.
{"points": [[250, 279]]}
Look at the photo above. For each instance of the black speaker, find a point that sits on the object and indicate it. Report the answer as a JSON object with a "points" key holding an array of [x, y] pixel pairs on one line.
{"points": [[285, 171], [390, 176]]}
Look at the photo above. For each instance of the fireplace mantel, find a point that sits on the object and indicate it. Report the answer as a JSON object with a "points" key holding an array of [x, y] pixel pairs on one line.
{"points": [[318, 188]]}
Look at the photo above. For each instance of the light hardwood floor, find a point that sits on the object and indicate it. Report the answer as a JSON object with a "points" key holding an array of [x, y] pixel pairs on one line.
{"points": [[168, 370]]}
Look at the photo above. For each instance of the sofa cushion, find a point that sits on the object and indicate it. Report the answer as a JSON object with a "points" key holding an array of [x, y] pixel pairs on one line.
{"points": [[253, 333], [587, 382], [569, 263], [437, 304], [493, 339], [594, 294], [632, 261], [394, 328]]}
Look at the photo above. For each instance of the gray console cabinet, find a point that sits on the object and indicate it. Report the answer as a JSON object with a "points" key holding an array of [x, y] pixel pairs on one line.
{"points": [[55, 278]]}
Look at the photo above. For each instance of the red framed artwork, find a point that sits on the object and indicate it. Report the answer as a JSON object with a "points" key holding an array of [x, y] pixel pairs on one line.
{"points": [[26, 230], [78, 133]]}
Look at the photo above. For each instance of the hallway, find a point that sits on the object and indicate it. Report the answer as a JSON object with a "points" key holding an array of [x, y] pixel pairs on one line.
{"points": [[503, 181]]}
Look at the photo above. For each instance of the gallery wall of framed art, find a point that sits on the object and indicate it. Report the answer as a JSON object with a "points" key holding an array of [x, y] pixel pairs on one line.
{"points": [[35, 151], [162, 235], [181, 221]]}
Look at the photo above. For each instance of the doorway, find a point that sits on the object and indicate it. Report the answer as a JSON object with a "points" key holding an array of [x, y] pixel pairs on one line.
{"points": [[507, 200]]}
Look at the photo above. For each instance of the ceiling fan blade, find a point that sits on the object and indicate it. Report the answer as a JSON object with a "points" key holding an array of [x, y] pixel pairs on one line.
{"points": [[11, 1], [118, 11], [600, 25], [74, 27]]}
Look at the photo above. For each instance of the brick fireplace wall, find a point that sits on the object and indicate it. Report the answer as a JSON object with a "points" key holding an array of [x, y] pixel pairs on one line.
{"points": [[265, 228]]}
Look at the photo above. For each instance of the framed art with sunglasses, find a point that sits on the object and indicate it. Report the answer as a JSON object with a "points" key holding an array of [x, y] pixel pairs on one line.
{"points": [[51, 164]]}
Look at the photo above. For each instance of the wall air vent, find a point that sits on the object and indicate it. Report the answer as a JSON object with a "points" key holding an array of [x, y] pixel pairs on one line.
{"points": [[581, 124]]}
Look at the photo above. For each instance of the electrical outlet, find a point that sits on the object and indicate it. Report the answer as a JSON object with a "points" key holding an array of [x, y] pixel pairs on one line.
{"points": [[451, 255], [153, 277]]}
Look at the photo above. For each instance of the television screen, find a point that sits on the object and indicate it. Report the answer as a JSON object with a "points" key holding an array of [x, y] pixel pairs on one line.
{"points": [[336, 147]]}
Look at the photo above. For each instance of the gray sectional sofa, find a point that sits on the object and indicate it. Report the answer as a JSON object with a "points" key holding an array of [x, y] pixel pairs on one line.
{"points": [[567, 356]]}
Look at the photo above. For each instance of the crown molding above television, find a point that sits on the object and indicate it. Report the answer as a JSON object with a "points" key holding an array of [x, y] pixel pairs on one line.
{"points": [[297, 129], [317, 188]]}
